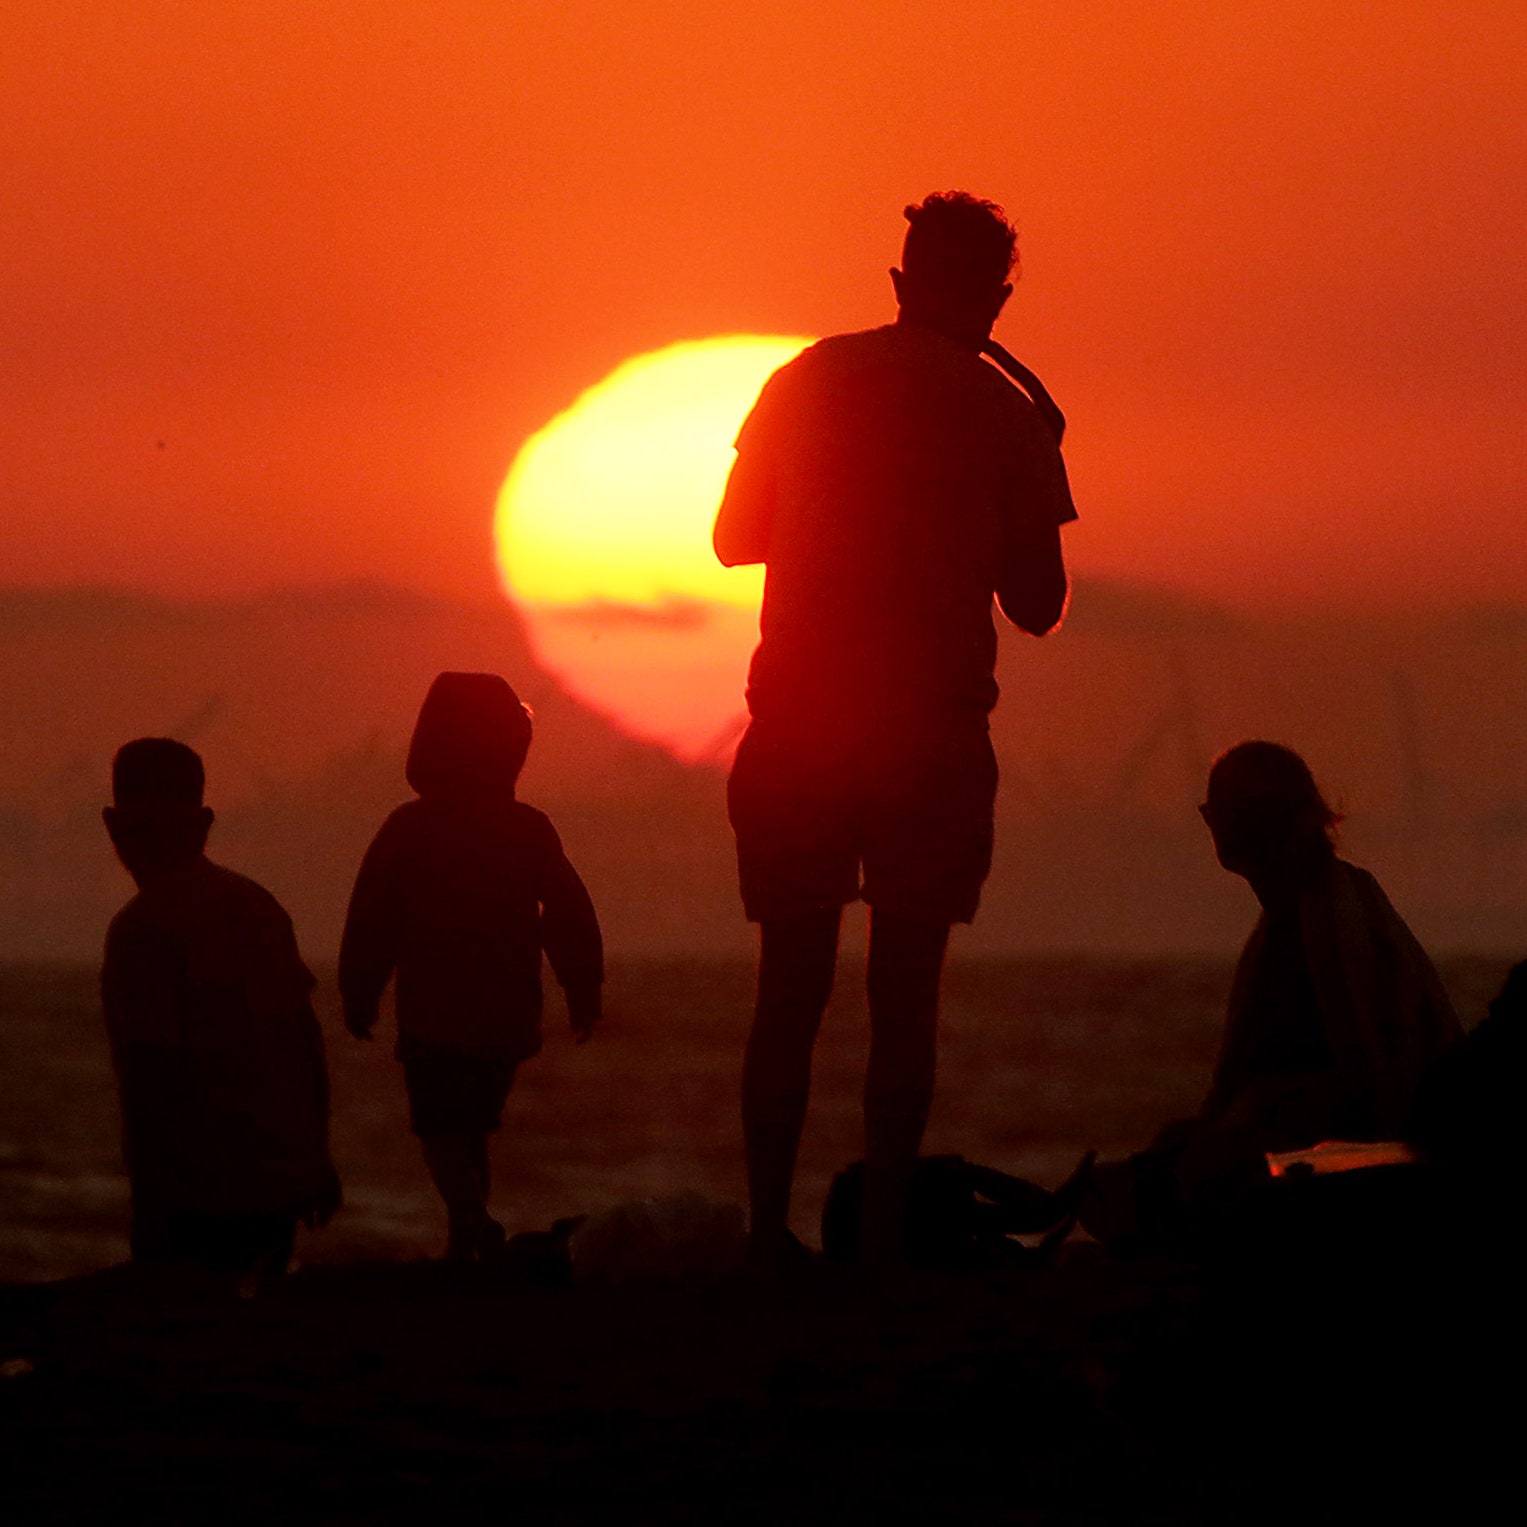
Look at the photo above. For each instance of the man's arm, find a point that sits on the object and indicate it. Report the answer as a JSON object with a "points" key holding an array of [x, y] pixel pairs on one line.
{"points": [[746, 516], [1032, 587], [747, 511]]}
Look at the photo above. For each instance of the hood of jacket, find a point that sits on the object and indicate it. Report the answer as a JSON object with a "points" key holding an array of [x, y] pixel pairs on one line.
{"points": [[472, 736]]}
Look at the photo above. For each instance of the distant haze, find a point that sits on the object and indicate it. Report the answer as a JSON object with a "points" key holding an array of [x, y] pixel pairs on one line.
{"points": [[302, 705], [284, 288]]}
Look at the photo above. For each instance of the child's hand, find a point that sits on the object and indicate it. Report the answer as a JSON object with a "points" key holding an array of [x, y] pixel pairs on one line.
{"points": [[325, 1203], [360, 1024], [583, 1012]]}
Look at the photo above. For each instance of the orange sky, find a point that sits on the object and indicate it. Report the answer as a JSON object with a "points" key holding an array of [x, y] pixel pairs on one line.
{"points": [[342, 259]]}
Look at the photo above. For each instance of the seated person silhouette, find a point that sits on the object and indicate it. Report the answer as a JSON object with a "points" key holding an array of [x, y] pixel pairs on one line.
{"points": [[1419, 1231], [1335, 1014], [219, 1059], [458, 896], [891, 481]]}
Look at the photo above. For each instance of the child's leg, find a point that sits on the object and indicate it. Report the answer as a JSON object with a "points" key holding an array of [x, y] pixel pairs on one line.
{"points": [[453, 1160], [490, 1238], [455, 1102], [481, 1165]]}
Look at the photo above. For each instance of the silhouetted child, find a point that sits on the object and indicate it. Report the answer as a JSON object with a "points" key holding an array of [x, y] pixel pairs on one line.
{"points": [[219, 1059], [458, 895]]}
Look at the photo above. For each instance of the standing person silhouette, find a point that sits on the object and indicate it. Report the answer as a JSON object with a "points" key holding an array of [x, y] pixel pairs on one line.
{"points": [[461, 893], [891, 481]]}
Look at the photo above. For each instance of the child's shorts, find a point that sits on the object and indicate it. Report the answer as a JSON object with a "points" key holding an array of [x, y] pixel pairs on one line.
{"points": [[456, 1094]]}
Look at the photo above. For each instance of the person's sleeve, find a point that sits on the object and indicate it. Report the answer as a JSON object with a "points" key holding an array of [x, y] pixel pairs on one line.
{"points": [[142, 992], [746, 517], [368, 948], [1040, 490], [570, 932], [1034, 502]]}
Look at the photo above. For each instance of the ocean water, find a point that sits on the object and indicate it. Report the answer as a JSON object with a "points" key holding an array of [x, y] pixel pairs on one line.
{"points": [[1039, 1060]]}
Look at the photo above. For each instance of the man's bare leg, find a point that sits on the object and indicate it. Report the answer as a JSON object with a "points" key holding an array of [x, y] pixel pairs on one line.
{"points": [[797, 959], [906, 961]]}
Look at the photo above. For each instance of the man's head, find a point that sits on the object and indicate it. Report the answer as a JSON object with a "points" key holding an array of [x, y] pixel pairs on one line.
{"points": [[156, 819], [956, 265]]}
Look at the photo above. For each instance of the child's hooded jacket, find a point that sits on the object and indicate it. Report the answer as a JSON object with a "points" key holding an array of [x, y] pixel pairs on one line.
{"points": [[463, 888]]}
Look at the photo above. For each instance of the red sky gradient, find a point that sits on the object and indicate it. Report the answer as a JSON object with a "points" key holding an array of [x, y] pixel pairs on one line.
{"points": [[342, 259]]}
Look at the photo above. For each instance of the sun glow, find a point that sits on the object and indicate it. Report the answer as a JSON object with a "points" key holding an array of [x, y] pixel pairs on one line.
{"points": [[603, 531]]}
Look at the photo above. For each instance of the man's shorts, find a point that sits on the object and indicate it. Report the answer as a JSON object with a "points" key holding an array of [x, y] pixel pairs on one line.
{"points": [[911, 806], [455, 1094]]}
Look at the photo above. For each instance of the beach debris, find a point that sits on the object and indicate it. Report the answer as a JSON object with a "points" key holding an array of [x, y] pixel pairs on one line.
{"points": [[686, 1238], [1340, 1156]]}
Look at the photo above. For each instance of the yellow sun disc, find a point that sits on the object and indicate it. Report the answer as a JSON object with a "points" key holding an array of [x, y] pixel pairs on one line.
{"points": [[603, 532]]}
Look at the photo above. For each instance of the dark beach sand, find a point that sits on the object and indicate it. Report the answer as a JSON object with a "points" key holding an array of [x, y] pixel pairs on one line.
{"points": [[407, 1392], [374, 1386], [1371, 1386]]}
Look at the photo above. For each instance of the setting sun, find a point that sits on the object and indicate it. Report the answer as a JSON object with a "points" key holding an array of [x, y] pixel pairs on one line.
{"points": [[603, 532]]}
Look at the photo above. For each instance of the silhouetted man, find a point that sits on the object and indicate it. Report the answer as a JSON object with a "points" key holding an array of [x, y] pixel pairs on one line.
{"points": [[219, 1059], [892, 481]]}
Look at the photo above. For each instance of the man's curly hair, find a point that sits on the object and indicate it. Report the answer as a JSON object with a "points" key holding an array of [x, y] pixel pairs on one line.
{"points": [[960, 238]]}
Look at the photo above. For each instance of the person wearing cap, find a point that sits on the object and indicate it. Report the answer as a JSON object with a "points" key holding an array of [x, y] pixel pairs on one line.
{"points": [[218, 1056], [460, 893], [891, 482]]}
